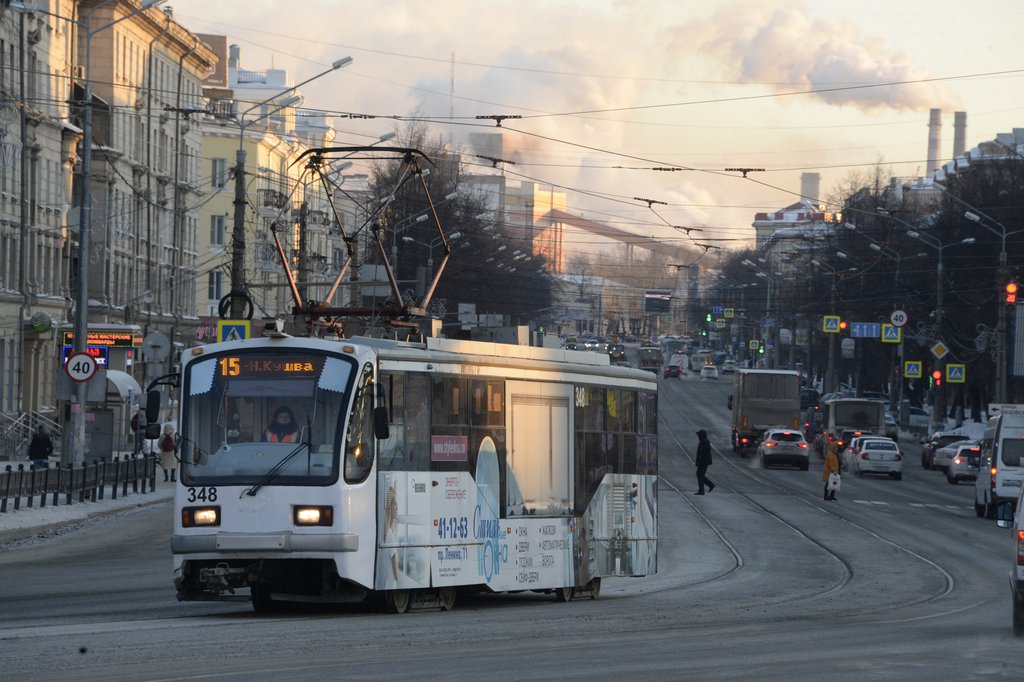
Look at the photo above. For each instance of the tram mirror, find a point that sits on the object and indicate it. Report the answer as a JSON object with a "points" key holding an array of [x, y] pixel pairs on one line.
{"points": [[381, 427], [152, 408]]}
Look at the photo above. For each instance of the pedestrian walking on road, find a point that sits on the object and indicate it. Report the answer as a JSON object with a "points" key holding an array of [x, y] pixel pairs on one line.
{"points": [[831, 470], [167, 452], [703, 461], [40, 449]]}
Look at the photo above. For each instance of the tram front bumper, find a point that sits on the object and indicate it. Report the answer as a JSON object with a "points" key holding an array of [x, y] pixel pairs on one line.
{"points": [[264, 542]]}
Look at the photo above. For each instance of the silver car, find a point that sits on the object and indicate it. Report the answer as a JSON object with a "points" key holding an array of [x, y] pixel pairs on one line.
{"points": [[964, 465], [944, 455]]}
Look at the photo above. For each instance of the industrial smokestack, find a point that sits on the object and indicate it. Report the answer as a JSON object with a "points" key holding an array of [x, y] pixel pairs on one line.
{"points": [[959, 133], [934, 139], [234, 57], [810, 186]]}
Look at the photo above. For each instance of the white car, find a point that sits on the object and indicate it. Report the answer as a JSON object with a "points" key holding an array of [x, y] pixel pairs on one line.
{"points": [[709, 372], [878, 456], [729, 367]]}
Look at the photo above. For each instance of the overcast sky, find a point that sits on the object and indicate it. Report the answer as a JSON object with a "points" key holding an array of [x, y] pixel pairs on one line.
{"points": [[608, 90]]}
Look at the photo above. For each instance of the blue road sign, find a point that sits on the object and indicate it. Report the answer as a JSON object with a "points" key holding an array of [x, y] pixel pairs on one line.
{"points": [[912, 369], [891, 333], [865, 330], [233, 330], [955, 373]]}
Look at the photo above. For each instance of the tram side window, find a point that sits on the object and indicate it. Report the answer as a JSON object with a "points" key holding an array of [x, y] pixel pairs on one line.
{"points": [[408, 448], [359, 441], [647, 428], [449, 417], [615, 434]]}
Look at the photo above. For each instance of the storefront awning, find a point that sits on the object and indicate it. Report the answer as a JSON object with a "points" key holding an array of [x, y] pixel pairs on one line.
{"points": [[125, 384]]}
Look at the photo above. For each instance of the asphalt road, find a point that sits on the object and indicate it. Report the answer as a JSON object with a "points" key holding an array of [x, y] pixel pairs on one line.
{"points": [[760, 579]]}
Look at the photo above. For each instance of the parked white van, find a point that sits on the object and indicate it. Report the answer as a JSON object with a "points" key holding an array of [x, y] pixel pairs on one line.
{"points": [[1001, 467]]}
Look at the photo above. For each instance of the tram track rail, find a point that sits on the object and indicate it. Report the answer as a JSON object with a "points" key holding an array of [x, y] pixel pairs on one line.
{"points": [[948, 582]]}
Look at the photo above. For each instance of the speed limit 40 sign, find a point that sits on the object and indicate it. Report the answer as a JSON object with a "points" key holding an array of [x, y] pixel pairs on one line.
{"points": [[898, 317], [80, 367]]}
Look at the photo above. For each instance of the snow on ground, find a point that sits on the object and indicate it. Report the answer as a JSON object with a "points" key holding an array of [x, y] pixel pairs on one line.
{"points": [[50, 520]]}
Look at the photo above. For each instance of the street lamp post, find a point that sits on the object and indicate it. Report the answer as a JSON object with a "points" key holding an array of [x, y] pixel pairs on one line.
{"points": [[828, 384], [430, 248], [770, 279], [238, 295], [975, 216], [939, 403], [81, 321]]}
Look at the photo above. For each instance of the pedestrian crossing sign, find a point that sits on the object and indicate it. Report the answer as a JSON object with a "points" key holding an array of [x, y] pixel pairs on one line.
{"points": [[830, 324], [729, 312], [753, 344], [912, 369], [233, 330], [955, 373], [891, 333]]}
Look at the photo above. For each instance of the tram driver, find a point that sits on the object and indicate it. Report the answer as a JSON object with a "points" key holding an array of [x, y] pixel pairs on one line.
{"points": [[283, 427]]}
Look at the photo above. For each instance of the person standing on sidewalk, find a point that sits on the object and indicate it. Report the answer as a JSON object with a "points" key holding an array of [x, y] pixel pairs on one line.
{"points": [[703, 461], [167, 459], [40, 449]]}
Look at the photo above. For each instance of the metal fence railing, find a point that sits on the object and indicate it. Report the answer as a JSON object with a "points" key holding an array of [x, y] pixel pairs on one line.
{"points": [[22, 486]]}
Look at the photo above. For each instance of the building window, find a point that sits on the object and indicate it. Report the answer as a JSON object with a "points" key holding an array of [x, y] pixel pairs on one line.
{"points": [[215, 287], [218, 224], [219, 174]]}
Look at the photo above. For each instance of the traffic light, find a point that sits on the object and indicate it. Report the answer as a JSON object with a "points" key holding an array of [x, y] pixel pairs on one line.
{"points": [[1011, 292], [843, 325], [937, 378], [707, 317]]}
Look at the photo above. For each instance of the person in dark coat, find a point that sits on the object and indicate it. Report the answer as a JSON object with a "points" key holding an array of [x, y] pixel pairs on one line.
{"points": [[40, 449], [703, 461]]}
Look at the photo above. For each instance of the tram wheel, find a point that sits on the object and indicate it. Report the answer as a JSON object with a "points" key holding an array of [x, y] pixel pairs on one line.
{"points": [[446, 595], [595, 588], [397, 601], [564, 594], [262, 602]]}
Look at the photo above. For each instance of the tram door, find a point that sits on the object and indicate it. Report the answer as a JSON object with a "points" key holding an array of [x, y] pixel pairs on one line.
{"points": [[539, 455]]}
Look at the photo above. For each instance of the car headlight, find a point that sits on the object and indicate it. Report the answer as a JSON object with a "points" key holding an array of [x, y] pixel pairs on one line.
{"points": [[200, 516], [319, 515]]}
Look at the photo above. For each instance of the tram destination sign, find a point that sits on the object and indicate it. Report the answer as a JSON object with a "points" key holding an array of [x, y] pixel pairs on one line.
{"points": [[236, 366]]}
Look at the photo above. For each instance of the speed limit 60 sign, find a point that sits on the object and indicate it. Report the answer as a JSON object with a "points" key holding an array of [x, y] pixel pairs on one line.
{"points": [[81, 367]]}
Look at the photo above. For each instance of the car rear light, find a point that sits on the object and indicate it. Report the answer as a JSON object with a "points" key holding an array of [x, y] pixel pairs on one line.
{"points": [[1020, 547], [831, 438], [770, 444], [899, 457], [801, 445], [864, 455], [744, 440], [959, 460]]}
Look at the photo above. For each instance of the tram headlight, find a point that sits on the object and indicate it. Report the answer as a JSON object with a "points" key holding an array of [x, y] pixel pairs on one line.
{"points": [[200, 516], [321, 515]]}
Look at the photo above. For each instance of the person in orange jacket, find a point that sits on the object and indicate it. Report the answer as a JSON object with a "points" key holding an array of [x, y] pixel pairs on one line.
{"points": [[831, 467]]}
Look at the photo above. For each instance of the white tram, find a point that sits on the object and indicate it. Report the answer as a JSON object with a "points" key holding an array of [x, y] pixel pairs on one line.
{"points": [[410, 470]]}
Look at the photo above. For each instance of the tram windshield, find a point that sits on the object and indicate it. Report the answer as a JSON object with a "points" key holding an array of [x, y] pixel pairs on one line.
{"points": [[252, 412]]}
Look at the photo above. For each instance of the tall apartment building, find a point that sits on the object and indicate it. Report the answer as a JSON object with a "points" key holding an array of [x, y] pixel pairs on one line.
{"points": [[144, 71]]}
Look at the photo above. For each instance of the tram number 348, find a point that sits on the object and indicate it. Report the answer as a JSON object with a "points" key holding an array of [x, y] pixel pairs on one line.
{"points": [[203, 494]]}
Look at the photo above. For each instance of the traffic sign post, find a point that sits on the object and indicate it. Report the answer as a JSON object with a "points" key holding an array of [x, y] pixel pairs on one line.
{"points": [[80, 367]]}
